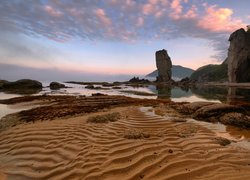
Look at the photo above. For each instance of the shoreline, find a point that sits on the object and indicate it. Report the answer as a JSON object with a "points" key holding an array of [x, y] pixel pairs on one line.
{"points": [[237, 85]]}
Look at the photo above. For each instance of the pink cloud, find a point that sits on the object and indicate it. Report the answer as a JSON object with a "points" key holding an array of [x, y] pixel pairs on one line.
{"points": [[191, 13], [53, 12], [140, 22], [176, 9], [220, 20], [100, 13], [148, 9]]}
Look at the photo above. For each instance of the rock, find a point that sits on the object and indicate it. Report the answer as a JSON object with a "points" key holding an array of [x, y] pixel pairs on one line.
{"points": [[106, 84], [215, 110], [138, 80], [56, 85], [116, 87], [239, 56], [2, 82], [23, 86], [185, 82], [98, 94], [164, 65], [90, 87], [236, 119], [222, 141], [192, 107]]}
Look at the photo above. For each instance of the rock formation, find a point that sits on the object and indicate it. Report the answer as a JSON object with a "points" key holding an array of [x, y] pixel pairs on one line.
{"points": [[23, 86], [164, 65], [239, 56], [56, 85]]}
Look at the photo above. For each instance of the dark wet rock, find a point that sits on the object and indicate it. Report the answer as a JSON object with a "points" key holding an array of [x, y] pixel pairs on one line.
{"points": [[107, 84], [56, 85], [138, 80], [192, 107], [222, 141], [164, 65], [2, 82], [185, 83], [23, 86], [116, 87], [98, 94], [239, 56], [90, 87], [176, 119], [96, 87], [23, 83], [236, 119], [215, 110]]}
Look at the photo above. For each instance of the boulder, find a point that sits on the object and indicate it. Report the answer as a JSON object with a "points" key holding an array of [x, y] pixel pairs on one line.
{"points": [[138, 80], [2, 82], [193, 107], [23, 83], [239, 56], [215, 110], [23, 86], [56, 85], [90, 87], [236, 119], [164, 65]]}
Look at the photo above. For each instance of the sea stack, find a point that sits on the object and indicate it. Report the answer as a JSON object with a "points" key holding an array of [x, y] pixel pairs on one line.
{"points": [[239, 56], [164, 65]]}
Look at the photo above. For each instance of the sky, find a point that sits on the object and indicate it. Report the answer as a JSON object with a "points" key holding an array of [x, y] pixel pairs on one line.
{"points": [[114, 37]]}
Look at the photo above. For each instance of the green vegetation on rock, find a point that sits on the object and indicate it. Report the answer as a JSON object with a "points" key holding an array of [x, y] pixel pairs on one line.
{"points": [[211, 73]]}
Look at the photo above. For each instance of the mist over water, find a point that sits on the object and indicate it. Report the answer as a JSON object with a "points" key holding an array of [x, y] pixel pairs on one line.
{"points": [[14, 72]]}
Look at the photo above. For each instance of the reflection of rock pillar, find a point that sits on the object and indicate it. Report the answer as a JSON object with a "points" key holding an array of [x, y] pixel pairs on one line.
{"points": [[231, 95], [164, 92]]}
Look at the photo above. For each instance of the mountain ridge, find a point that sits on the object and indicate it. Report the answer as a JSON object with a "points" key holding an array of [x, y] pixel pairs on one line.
{"points": [[178, 72]]}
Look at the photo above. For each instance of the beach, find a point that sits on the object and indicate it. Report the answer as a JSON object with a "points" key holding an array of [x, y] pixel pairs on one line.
{"points": [[149, 140]]}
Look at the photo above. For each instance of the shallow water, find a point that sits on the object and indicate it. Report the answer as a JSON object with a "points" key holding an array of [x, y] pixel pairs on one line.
{"points": [[213, 94], [239, 137]]}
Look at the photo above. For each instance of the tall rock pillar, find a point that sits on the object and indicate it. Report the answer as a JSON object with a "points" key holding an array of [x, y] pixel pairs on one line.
{"points": [[239, 57], [164, 65]]}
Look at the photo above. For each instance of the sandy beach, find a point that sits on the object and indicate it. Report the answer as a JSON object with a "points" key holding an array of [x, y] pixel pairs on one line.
{"points": [[144, 143]]}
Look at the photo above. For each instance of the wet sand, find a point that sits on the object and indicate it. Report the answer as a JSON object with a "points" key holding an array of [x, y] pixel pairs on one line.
{"points": [[71, 148]]}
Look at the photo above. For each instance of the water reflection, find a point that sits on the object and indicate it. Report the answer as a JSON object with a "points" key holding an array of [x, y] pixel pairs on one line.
{"points": [[163, 91], [211, 93]]}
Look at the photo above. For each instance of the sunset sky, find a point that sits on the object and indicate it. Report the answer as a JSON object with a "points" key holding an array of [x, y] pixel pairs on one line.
{"points": [[116, 36]]}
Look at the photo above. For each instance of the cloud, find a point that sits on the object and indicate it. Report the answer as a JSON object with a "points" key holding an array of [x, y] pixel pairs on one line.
{"points": [[176, 9], [100, 13], [53, 12], [115, 20], [220, 20]]}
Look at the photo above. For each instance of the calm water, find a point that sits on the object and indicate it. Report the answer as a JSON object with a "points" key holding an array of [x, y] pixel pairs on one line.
{"points": [[213, 94]]}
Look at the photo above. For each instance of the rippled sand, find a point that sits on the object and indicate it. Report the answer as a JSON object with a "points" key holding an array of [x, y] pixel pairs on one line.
{"points": [[74, 149]]}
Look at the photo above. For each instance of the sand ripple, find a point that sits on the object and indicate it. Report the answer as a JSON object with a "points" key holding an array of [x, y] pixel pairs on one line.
{"points": [[74, 149]]}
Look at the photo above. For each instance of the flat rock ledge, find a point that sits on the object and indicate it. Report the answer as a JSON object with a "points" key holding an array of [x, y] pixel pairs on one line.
{"points": [[217, 112]]}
